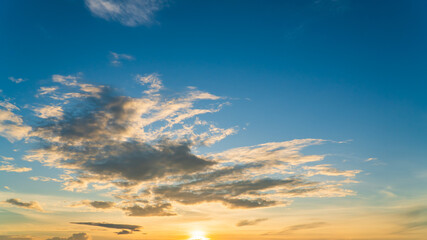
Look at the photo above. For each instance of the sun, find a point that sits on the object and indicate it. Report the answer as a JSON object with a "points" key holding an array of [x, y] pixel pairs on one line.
{"points": [[198, 235]]}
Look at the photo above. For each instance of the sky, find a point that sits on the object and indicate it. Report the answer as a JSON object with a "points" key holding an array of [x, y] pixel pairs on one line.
{"points": [[220, 120]]}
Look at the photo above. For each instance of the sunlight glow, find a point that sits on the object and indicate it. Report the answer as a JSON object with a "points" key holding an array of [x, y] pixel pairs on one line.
{"points": [[198, 235]]}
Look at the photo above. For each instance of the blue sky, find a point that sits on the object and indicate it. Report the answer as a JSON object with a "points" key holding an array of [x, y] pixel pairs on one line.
{"points": [[338, 70]]}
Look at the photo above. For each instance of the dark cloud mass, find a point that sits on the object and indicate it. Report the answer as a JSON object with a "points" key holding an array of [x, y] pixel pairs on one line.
{"points": [[101, 204], [111, 225], [161, 209], [30, 205], [123, 232]]}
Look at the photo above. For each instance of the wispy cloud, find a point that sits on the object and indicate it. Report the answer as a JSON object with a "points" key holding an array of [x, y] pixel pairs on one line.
{"points": [[412, 219], [326, 169], [45, 179], [117, 58], [152, 80], [13, 168], [298, 227], [29, 205], [127, 12], [371, 159], [250, 222], [7, 158], [16, 80], [14, 237], [126, 228]]}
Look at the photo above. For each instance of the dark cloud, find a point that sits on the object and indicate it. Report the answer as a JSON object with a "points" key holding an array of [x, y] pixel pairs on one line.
{"points": [[30, 205], [161, 209], [230, 193], [75, 236], [101, 204], [250, 222], [122, 232], [91, 140], [111, 225]]}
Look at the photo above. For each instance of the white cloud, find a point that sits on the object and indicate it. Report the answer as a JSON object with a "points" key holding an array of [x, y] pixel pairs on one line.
{"points": [[371, 159], [16, 80], [11, 124], [7, 158], [326, 169], [45, 179], [127, 12], [116, 58], [12, 168], [49, 111], [152, 80]]}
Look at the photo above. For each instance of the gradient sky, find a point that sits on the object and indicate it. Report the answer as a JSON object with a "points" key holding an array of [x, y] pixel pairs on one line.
{"points": [[156, 119]]}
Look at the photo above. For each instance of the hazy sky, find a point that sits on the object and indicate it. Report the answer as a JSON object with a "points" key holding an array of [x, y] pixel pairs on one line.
{"points": [[156, 119]]}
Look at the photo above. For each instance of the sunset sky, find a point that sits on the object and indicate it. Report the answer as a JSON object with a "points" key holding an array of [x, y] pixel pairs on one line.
{"points": [[219, 120]]}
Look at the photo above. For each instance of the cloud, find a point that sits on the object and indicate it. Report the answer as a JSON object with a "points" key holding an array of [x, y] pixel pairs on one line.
{"points": [[45, 179], [250, 222], [298, 227], [122, 232], [325, 169], [30, 205], [49, 111], [7, 188], [161, 209], [371, 159], [7, 158], [116, 58], [12, 168], [127, 12], [152, 80], [75, 236], [95, 204], [126, 228], [412, 219], [46, 90], [16, 80], [14, 237], [11, 124], [143, 149]]}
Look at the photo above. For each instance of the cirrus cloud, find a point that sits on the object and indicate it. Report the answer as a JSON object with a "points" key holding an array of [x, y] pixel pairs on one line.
{"points": [[127, 12]]}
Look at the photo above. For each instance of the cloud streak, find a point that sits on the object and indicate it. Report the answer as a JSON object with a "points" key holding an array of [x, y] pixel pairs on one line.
{"points": [[245, 222], [126, 228], [299, 227], [128, 12]]}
